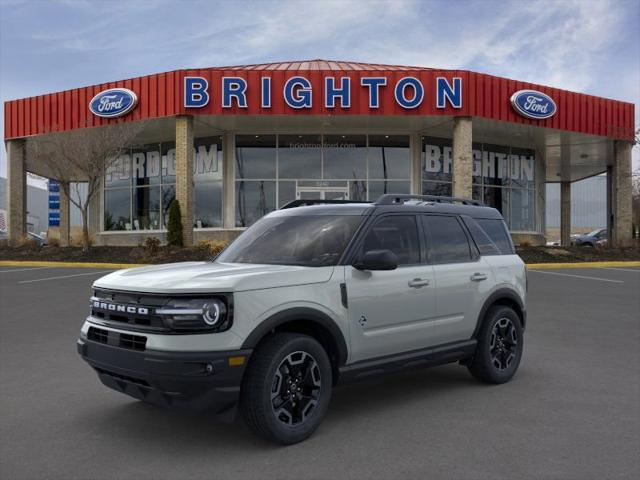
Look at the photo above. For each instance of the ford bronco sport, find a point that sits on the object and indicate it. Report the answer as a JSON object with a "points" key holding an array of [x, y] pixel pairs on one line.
{"points": [[312, 295]]}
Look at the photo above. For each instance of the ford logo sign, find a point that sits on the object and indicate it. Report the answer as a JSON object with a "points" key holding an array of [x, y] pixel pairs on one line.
{"points": [[114, 102], [533, 104]]}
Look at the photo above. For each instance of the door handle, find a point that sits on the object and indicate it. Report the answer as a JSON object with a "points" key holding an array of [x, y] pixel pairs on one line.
{"points": [[418, 282], [478, 277]]}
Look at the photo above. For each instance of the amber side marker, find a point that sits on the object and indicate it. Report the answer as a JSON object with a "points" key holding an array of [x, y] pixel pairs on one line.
{"points": [[236, 361]]}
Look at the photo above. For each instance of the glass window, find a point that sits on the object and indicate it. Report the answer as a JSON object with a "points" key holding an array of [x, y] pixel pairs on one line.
{"points": [[381, 187], [497, 198], [345, 156], [436, 188], [389, 157], [483, 242], [254, 199], [117, 206], [168, 162], [208, 205], [256, 156], [207, 160], [436, 159], [521, 215], [310, 241], [118, 174], [497, 231], [448, 242], [300, 156], [145, 165], [495, 164], [397, 233], [522, 165], [168, 195], [146, 208]]}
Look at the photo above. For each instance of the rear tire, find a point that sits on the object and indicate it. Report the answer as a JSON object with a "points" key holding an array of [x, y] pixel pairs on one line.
{"points": [[287, 388], [499, 349]]}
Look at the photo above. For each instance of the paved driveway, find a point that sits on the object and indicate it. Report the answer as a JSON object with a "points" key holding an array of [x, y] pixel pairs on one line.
{"points": [[572, 411]]}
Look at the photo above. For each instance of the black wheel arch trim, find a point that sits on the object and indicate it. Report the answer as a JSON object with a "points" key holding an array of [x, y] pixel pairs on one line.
{"points": [[305, 314], [495, 297]]}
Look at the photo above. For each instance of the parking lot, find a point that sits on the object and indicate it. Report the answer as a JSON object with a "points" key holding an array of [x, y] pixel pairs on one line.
{"points": [[572, 411]]}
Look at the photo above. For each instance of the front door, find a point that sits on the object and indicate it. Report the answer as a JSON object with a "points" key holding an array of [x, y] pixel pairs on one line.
{"points": [[391, 311]]}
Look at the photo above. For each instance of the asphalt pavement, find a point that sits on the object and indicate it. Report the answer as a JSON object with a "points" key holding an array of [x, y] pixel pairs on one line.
{"points": [[571, 412]]}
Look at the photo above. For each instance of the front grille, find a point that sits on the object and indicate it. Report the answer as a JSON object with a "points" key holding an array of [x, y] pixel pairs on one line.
{"points": [[122, 340], [128, 310]]}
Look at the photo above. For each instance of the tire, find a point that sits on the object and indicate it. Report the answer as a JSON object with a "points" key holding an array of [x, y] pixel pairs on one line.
{"points": [[297, 370], [500, 343]]}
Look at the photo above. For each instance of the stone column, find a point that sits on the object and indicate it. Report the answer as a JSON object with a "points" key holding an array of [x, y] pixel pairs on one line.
{"points": [[462, 157], [415, 147], [565, 213], [65, 215], [16, 191], [621, 234], [228, 180], [184, 174]]}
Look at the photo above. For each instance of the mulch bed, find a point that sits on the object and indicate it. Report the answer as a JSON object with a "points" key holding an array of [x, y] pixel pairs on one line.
{"points": [[577, 254]]}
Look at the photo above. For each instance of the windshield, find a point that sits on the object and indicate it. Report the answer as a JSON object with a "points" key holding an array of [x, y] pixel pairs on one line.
{"points": [[594, 233], [310, 241]]}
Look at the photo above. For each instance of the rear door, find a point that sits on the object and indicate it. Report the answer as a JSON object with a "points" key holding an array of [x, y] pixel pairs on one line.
{"points": [[391, 311], [462, 277]]}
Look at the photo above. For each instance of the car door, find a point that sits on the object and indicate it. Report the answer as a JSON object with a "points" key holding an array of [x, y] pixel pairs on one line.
{"points": [[391, 311], [462, 278]]}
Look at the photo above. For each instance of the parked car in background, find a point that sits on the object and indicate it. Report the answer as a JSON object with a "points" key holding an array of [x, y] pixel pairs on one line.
{"points": [[40, 239], [591, 239]]}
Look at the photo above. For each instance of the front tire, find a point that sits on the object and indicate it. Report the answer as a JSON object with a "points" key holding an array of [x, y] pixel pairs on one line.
{"points": [[287, 388], [499, 349]]}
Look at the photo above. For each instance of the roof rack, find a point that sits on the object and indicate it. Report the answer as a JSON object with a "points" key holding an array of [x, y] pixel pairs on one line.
{"points": [[317, 201], [391, 199]]}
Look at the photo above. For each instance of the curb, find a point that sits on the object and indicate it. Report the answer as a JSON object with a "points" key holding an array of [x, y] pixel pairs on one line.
{"points": [[29, 263], [532, 266]]}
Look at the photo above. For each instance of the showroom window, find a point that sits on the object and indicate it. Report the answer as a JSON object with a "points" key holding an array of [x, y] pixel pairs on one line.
{"points": [[503, 178], [272, 170], [140, 186]]}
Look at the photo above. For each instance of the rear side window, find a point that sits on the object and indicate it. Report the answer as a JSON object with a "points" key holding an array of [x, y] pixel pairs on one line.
{"points": [[482, 240], [448, 242], [397, 233], [497, 232]]}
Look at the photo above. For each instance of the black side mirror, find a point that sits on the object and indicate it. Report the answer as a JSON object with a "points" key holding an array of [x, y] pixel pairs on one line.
{"points": [[377, 260]]}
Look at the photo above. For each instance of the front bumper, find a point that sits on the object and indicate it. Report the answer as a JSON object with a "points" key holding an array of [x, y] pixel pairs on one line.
{"points": [[196, 381]]}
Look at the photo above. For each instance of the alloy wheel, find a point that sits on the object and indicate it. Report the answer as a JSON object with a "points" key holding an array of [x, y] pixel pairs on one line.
{"points": [[504, 343]]}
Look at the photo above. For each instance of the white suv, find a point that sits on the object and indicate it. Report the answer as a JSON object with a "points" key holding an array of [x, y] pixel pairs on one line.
{"points": [[308, 297]]}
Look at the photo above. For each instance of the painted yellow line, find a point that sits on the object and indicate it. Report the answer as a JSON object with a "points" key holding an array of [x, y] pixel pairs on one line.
{"points": [[534, 266], [29, 263]]}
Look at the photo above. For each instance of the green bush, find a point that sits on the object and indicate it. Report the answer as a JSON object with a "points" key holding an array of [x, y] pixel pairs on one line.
{"points": [[174, 227]]}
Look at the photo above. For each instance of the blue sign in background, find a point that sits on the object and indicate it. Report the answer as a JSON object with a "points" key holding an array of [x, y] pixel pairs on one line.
{"points": [[54, 203]]}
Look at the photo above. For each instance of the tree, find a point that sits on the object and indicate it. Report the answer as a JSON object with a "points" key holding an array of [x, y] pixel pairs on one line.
{"points": [[174, 226], [83, 155]]}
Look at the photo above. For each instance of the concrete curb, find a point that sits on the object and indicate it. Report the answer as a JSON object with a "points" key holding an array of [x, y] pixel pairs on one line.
{"points": [[532, 266]]}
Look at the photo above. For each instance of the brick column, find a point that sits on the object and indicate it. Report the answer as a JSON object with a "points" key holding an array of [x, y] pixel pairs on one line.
{"points": [[416, 163], [65, 215], [184, 174], [565, 213], [621, 185], [228, 180], [16, 191], [462, 157]]}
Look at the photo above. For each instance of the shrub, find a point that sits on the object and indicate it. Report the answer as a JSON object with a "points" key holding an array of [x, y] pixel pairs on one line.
{"points": [[174, 226], [54, 242], [213, 247], [152, 245]]}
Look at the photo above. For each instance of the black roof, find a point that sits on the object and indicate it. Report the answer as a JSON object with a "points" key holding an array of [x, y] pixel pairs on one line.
{"points": [[392, 203]]}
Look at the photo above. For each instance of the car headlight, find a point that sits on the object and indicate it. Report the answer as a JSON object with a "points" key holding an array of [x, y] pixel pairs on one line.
{"points": [[196, 314]]}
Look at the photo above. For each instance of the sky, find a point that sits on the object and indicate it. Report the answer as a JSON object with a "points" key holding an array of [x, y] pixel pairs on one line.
{"points": [[590, 46]]}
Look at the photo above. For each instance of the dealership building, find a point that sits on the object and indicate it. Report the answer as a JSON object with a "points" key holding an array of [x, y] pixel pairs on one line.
{"points": [[234, 143]]}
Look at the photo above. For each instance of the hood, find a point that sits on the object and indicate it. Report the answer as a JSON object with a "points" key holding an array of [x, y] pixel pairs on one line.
{"points": [[211, 277]]}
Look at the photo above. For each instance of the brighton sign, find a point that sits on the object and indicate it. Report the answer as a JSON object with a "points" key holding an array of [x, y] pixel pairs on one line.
{"points": [[533, 104], [113, 103], [298, 93]]}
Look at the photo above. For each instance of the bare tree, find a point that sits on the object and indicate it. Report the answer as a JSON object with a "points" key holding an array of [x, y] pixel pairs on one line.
{"points": [[84, 156]]}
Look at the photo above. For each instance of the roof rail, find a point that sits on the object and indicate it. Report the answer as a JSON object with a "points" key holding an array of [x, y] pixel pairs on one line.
{"points": [[391, 199], [316, 201]]}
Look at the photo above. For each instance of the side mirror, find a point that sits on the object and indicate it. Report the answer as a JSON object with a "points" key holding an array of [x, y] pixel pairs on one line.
{"points": [[377, 260]]}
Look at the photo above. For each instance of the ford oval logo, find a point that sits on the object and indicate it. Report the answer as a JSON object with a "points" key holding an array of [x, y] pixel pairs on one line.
{"points": [[114, 102], [533, 104]]}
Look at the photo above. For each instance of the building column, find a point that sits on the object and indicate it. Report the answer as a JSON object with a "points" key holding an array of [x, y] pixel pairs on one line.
{"points": [[565, 213], [462, 157], [620, 234], [65, 215], [228, 180], [184, 174], [415, 147], [16, 191]]}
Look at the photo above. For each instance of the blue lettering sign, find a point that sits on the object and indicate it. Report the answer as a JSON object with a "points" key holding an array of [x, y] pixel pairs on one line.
{"points": [[401, 94], [195, 92], [297, 92], [444, 92], [234, 87], [373, 84], [331, 92], [266, 92]]}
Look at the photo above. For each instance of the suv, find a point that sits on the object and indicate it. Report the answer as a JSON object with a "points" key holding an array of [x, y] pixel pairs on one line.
{"points": [[308, 297]]}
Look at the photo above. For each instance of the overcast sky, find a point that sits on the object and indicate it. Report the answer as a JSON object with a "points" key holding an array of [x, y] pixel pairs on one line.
{"points": [[582, 45]]}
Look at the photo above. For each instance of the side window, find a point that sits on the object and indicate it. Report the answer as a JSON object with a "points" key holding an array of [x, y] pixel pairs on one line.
{"points": [[397, 233], [498, 233], [483, 242], [448, 242]]}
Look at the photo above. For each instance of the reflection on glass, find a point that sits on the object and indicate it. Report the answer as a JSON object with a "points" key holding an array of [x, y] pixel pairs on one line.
{"points": [[522, 210], [207, 160], [255, 156], [345, 156], [497, 198], [208, 205], [436, 188], [146, 165], [146, 208], [300, 156], [168, 195], [381, 187], [253, 200], [118, 173], [117, 204], [389, 156], [437, 164]]}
